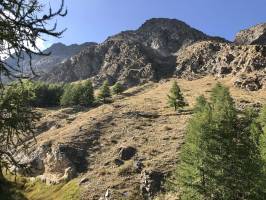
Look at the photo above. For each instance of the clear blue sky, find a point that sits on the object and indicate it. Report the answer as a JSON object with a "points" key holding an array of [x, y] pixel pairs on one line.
{"points": [[95, 20]]}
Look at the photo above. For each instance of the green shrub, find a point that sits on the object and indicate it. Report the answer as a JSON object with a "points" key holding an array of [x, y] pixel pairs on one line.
{"points": [[47, 95], [117, 88], [78, 94], [175, 98], [104, 92]]}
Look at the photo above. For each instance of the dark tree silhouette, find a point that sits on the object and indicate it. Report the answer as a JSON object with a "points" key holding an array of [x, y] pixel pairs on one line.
{"points": [[22, 23]]}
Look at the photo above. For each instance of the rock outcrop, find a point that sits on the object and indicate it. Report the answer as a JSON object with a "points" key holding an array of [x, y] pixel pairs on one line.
{"points": [[251, 36], [252, 82], [151, 182], [59, 53], [131, 57], [52, 163], [221, 59]]}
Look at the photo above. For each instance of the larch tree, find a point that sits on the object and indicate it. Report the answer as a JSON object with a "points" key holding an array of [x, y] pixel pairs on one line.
{"points": [[22, 24], [175, 98], [220, 158], [104, 92]]}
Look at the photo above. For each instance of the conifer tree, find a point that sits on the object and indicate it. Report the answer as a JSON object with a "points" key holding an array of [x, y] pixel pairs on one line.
{"points": [[117, 88], [190, 172], [220, 158], [175, 98], [104, 91], [87, 94]]}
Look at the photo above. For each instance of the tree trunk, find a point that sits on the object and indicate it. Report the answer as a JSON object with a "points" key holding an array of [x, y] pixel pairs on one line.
{"points": [[1, 174], [2, 178]]}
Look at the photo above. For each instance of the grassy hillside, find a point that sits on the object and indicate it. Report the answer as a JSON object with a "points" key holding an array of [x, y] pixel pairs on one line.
{"points": [[141, 118]]}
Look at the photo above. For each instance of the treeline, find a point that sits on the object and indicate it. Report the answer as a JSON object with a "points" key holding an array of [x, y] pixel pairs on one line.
{"points": [[224, 154], [42, 94]]}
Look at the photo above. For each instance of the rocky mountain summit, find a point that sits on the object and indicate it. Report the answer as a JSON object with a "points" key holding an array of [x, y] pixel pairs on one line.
{"points": [[163, 48], [131, 57]]}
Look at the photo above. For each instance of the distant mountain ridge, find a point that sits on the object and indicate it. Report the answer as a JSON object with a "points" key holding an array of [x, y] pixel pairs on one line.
{"points": [[59, 53]]}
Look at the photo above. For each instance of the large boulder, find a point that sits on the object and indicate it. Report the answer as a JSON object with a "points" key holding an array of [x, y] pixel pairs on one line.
{"points": [[253, 35], [52, 163]]}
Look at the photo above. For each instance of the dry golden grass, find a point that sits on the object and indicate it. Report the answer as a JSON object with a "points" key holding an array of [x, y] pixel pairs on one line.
{"points": [[140, 118]]}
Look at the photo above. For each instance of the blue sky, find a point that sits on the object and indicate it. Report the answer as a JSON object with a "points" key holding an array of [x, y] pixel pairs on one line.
{"points": [[95, 20]]}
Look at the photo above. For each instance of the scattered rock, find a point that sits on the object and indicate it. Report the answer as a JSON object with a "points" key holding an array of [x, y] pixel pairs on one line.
{"points": [[250, 82], [243, 104], [107, 195], [83, 180], [150, 183], [126, 153], [138, 166]]}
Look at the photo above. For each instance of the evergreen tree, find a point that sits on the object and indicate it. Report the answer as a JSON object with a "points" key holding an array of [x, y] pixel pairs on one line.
{"points": [[67, 97], [220, 158], [117, 88], [104, 92], [23, 23], [87, 94], [175, 98], [190, 172], [262, 139]]}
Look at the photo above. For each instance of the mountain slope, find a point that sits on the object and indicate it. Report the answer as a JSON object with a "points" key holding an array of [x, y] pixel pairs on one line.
{"points": [[221, 59], [90, 140], [131, 57]]}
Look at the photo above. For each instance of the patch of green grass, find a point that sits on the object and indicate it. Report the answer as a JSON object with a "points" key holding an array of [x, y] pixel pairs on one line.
{"points": [[40, 191], [24, 189]]}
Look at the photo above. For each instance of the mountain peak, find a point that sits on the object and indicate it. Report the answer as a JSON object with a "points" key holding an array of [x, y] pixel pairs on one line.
{"points": [[162, 23]]}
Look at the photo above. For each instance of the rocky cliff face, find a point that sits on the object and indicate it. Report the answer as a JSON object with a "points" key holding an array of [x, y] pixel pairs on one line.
{"points": [[59, 53], [253, 35], [165, 47], [131, 57], [221, 59]]}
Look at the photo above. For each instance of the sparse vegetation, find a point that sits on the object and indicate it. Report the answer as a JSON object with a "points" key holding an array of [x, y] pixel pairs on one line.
{"points": [[104, 92], [175, 98], [117, 88], [78, 94], [24, 189]]}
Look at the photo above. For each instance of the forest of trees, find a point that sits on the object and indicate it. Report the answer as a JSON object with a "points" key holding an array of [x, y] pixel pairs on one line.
{"points": [[43, 95]]}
